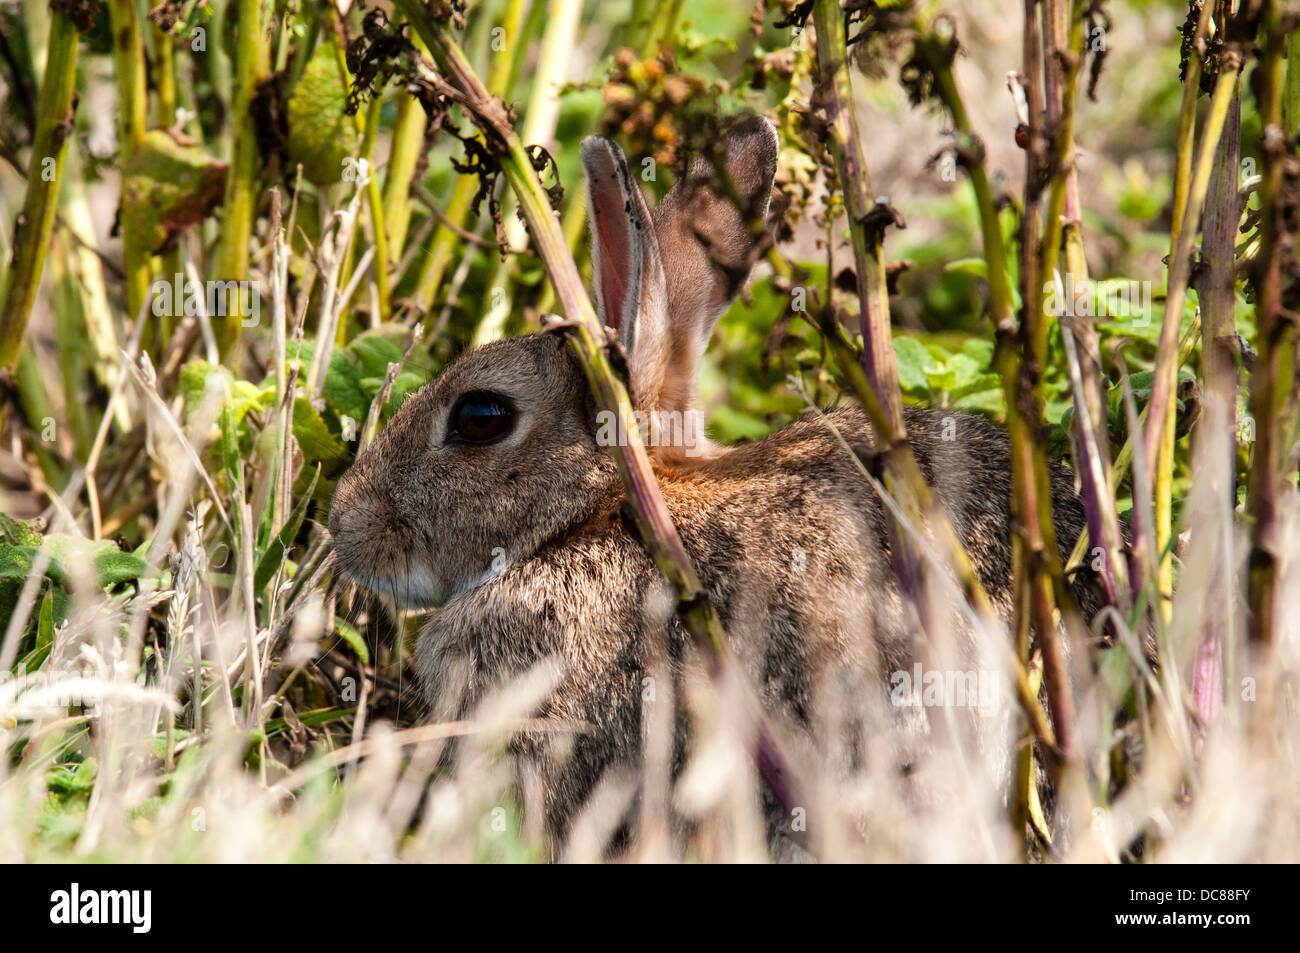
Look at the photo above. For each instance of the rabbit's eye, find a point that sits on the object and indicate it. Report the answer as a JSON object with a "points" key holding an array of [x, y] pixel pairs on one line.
{"points": [[481, 417]]}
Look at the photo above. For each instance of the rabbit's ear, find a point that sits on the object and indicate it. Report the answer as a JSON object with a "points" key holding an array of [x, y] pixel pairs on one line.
{"points": [[709, 227], [628, 275]]}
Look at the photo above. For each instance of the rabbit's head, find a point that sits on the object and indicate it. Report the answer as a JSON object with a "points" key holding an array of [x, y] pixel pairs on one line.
{"points": [[503, 451]]}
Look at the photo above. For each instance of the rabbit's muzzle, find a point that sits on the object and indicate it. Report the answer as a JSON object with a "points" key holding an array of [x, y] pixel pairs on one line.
{"points": [[353, 521], [361, 521], [378, 547]]}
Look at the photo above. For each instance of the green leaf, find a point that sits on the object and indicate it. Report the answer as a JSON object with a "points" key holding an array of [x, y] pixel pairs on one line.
{"points": [[44, 634], [968, 266], [194, 382], [342, 385], [980, 350], [345, 631], [72, 779], [168, 188], [318, 444], [16, 562], [18, 532], [374, 352], [274, 555], [321, 134], [913, 358], [113, 566]]}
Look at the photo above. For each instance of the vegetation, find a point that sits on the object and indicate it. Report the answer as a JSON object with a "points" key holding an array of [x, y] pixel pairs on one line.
{"points": [[303, 211]]}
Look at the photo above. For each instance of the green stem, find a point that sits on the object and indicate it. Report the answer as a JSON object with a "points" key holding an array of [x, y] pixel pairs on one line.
{"points": [[845, 145], [376, 203], [1162, 388], [971, 152], [408, 142], [540, 119], [252, 62], [44, 178], [1092, 452], [132, 120], [663, 28], [445, 239], [1291, 98], [38, 411], [1270, 384], [165, 77]]}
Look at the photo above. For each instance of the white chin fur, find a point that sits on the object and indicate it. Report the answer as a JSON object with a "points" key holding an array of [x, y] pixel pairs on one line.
{"points": [[418, 588]]}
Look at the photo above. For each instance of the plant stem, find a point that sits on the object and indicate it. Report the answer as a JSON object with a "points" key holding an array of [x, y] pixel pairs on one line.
{"points": [[845, 145], [1215, 433], [55, 105], [1162, 388], [376, 205], [165, 76], [132, 119], [663, 28], [540, 119], [867, 221], [1270, 381], [408, 143], [445, 239], [252, 62], [1091, 451], [1021, 357], [1034, 577]]}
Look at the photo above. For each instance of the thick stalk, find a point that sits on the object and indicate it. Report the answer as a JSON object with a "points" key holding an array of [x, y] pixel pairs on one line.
{"points": [[368, 129], [1064, 22], [165, 77], [164, 81], [866, 229], [55, 105], [408, 143], [375, 202], [252, 62], [445, 238], [1038, 597], [1164, 461], [1021, 358], [132, 119], [663, 28], [1162, 388], [845, 145], [1269, 386], [540, 119], [1291, 99], [1215, 433]]}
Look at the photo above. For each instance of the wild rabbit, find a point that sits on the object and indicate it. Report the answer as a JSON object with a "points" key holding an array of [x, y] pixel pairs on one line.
{"points": [[490, 495]]}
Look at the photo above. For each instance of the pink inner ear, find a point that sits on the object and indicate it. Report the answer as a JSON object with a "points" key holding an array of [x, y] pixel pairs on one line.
{"points": [[615, 247]]}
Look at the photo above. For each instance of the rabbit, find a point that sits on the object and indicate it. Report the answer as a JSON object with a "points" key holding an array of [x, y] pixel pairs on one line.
{"points": [[491, 497]]}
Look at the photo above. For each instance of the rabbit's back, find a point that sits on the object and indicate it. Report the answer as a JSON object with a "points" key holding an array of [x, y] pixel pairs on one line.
{"points": [[798, 511]]}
